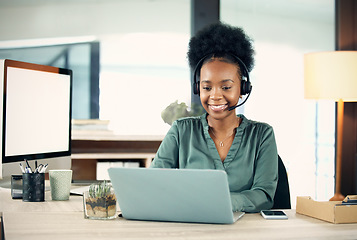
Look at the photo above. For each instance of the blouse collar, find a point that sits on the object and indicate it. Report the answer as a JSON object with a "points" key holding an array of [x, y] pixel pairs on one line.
{"points": [[205, 125]]}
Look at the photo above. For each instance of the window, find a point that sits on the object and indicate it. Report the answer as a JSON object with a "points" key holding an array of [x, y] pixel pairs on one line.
{"points": [[78, 54], [141, 74]]}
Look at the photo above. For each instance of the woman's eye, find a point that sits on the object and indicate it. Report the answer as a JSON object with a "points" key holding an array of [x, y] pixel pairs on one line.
{"points": [[206, 88], [226, 88]]}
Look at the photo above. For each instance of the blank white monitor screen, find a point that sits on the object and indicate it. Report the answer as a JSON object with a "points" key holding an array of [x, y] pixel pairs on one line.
{"points": [[36, 112]]}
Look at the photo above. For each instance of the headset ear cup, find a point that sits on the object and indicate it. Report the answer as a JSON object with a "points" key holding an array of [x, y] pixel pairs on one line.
{"points": [[242, 87], [196, 88], [245, 87], [196, 84]]}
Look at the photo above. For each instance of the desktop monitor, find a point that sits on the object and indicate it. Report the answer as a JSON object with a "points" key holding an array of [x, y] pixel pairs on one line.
{"points": [[35, 120]]}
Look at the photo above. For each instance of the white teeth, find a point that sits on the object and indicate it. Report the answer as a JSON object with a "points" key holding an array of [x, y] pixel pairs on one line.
{"points": [[217, 107]]}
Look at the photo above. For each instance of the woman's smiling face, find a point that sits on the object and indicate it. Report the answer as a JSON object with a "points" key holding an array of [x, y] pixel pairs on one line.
{"points": [[219, 87]]}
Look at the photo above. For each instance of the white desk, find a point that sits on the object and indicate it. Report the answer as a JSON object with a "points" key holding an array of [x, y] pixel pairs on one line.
{"points": [[64, 220]]}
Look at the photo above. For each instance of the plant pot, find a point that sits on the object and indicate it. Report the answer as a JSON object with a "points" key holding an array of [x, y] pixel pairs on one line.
{"points": [[104, 207]]}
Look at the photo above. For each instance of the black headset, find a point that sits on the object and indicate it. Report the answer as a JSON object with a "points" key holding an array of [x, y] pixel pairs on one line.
{"points": [[245, 88]]}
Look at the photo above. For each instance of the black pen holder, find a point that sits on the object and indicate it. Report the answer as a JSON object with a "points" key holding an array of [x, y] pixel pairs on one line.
{"points": [[33, 186]]}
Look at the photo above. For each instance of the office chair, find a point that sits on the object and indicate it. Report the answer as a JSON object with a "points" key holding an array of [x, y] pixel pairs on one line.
{"points": [[282, 194]]}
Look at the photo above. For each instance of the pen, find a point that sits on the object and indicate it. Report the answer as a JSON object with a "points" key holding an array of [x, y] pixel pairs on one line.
{"points": [[43, 169], [22, 168], [28, 170], [39, 168], [28, 165]]}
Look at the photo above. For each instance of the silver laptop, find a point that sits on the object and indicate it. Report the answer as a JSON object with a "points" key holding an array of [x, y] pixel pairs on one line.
{"points": [[179, 195]]}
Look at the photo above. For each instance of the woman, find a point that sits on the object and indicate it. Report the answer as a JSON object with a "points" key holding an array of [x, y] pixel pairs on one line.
{"points": [[222, 56]]}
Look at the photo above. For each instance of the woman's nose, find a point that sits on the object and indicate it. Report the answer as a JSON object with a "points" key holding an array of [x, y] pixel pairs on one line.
{"points": [[216, 93]]}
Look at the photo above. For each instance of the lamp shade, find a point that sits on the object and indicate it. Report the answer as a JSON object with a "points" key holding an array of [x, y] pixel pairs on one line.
{"points": [[331, 75]]}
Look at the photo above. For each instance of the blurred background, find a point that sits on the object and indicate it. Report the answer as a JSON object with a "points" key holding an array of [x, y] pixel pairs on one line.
{"points": [[129, 62]]}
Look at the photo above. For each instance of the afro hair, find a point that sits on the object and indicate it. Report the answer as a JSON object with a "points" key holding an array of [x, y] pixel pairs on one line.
{"points": [[221, 39]]}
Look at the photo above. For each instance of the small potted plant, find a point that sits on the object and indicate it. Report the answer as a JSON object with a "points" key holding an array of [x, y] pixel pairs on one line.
{"points": [[99, 201]]}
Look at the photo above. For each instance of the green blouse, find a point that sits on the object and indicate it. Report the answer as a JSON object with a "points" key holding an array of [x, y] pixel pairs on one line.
{"points": [[251, 164]]}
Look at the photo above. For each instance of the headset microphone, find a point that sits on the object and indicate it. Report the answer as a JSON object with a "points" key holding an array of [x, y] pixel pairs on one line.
{"points": [[238, 105]]}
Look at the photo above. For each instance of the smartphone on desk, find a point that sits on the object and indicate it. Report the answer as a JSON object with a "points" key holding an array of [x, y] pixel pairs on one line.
{"points": [[273, 214]]}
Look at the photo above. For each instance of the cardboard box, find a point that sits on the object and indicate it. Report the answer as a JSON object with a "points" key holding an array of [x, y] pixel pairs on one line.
{"points": [[330, 211]]}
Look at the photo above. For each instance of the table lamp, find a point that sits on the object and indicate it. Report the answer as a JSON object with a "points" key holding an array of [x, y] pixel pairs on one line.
{"points": [[332, 75]]}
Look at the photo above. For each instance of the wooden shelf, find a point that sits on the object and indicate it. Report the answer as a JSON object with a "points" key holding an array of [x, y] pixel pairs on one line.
{"points": [[89, 148]]}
